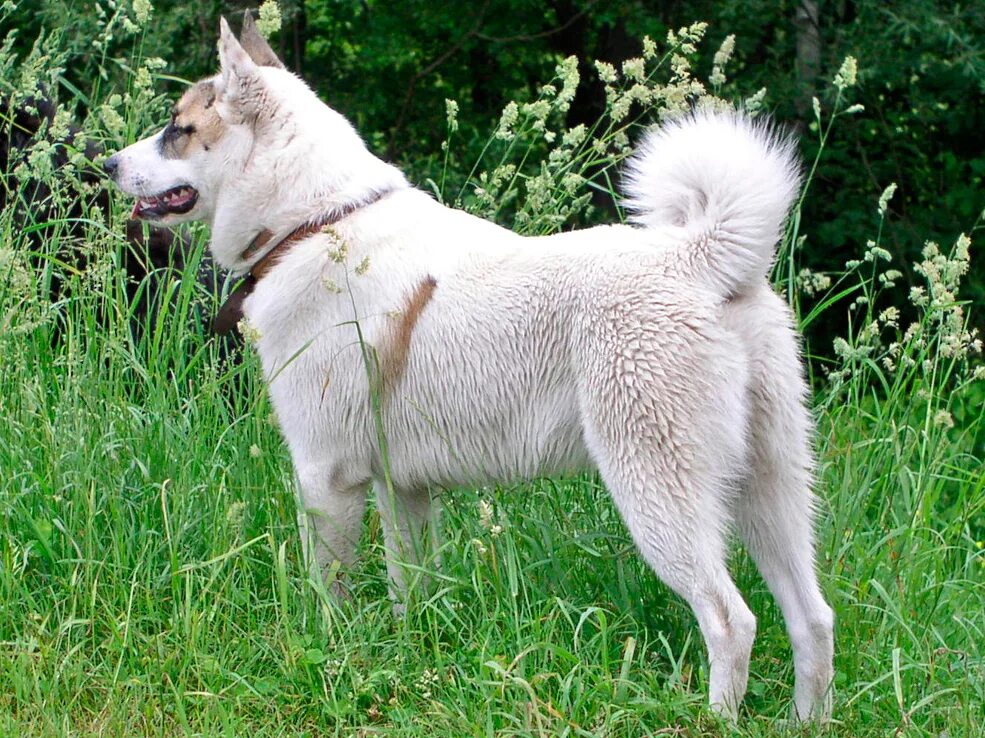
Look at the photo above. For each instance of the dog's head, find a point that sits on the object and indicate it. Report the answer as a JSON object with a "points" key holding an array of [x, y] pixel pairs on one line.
{"points": [[251, 149], [177, 174]]}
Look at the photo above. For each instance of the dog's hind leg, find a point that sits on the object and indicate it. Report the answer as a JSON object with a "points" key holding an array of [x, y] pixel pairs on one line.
{"points": [[774, 512], [408, 524], [666, 438]]}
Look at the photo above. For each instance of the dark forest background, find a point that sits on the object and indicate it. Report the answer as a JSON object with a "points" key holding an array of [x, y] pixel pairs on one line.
{"points": [[389, 66]]}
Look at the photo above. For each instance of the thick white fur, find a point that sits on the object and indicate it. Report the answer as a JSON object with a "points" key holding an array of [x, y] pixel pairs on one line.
{"points": [[656, 354], [733, 198]]}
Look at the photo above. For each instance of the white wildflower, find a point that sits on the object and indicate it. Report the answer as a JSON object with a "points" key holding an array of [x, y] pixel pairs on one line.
{"points": [[754, 105], [607, 72], [142, 10], [848, 74], [111, 117], [620, 108], [634, 69], [875, 251], [680, 66], [888, 278], [724, 53], [811, 282], [426, 682], [885, 197], [338, 250], [572, 182], [142, 79], [961, 248], [858, 302], [890, 317], [538, 112], [485, 514], [507, 120], [574, 136], [649, 48], [451, 114], [269, 21], [568, 72], [870, 331], [248, 331]]}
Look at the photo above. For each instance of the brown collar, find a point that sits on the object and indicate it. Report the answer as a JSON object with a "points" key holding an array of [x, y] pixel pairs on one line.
{"points": [[231, 311]]}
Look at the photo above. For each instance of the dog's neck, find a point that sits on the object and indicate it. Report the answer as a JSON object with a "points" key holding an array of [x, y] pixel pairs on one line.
{"points": [[262, 252], [283, 198], [265, 250]]}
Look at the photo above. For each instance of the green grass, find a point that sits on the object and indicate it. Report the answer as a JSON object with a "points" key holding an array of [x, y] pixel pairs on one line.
{"points": [[150, 581], [150, 573]]}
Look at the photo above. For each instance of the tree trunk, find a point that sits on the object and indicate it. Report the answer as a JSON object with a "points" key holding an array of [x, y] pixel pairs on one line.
{"points": [[808, 60]]}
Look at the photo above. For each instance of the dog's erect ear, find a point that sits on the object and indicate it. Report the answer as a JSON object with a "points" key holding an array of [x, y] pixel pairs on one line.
{"points": [[236, 66], [256, 45], [240, 86]]}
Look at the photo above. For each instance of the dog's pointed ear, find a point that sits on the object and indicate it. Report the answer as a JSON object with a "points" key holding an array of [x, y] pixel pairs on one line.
{"points": [[240, 85], [235, 64], [256, 45]]}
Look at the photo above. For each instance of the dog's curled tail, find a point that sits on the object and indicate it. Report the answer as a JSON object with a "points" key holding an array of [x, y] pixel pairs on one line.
{"points": [[727, 182]]}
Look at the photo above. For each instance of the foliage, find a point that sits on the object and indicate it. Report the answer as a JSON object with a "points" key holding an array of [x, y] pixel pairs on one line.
{"points": [[150, 574]]}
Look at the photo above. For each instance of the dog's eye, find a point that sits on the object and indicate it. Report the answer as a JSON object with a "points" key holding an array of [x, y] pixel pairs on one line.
{"points": [[188, 130]]}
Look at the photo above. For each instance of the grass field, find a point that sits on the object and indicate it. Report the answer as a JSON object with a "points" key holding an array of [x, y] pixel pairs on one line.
{"points": [[150, 581], [150, 573]]}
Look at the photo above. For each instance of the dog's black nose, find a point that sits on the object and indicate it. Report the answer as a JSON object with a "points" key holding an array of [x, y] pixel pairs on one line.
{"points": [[111, 165]]}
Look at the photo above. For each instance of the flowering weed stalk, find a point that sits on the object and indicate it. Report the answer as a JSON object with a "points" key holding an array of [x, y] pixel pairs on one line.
{"points": [[151, 577], [538, 176]]}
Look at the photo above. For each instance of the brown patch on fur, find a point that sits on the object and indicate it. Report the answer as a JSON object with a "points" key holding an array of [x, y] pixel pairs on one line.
{"points": [[195, 123], [393, 356]]}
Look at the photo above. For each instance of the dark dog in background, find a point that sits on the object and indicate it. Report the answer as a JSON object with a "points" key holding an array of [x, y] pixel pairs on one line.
{"points": [[150, 251]]}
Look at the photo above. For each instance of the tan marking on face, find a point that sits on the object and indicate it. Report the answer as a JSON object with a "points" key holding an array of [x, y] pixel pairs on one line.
{"points": [[393, 356], [196, 123]]}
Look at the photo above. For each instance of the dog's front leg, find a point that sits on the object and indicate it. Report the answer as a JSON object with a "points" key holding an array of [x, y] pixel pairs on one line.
{"points": [[330, 518], [408, 518]]}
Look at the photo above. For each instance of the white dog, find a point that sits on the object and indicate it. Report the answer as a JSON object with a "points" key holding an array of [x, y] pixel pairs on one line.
{"points": [[656, 354]]}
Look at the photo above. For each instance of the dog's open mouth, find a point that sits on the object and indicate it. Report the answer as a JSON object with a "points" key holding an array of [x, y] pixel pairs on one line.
{"points": [[175, 201]]}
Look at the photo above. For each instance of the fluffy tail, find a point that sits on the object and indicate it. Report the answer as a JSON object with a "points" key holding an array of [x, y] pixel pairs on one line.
{"points": [[728, 182]]}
